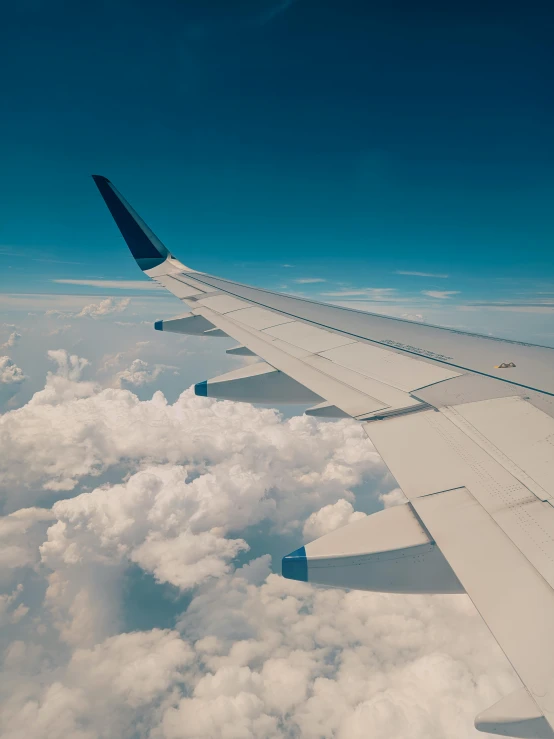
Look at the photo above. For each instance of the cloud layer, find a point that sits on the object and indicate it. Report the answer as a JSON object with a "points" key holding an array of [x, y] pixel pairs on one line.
{"points": [[173, 497]]}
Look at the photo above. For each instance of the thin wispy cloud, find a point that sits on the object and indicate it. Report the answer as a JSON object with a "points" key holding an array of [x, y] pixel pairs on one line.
{"points": [[29, 254], [513, 303], [369, 292], [523, 308], [113, 284], [419, 274], [366, 294], [309, 280], [440, 294]]}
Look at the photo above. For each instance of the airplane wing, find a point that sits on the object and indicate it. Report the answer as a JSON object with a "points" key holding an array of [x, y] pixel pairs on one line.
{"points": [[464, 422]]}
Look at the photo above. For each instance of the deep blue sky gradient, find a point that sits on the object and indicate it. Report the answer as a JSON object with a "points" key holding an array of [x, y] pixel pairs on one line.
{"points": [[350, 139]]}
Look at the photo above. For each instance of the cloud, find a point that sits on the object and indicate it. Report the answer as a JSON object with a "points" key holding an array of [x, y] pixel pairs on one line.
{"points": [[543, 306], [9, 613], [369, 291], [273, 659], [106, 307], [309, 280], [118, 426], [197, 473], [12, 341], [140, 373], [366, 294], [420, 274], [64, 305], [114, 284], [10, 373], [185, 489], [11, 378], [110, 689], [392, 498], [440, 294], [21, 533], [286, 659], [329, 518], [60, 330], [29, 253]]}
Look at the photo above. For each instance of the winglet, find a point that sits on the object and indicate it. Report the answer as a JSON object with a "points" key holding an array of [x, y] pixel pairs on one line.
{"points": [[144, 245]]}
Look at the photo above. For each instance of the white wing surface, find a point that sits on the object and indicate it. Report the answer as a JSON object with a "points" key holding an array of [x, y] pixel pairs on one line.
{"points": [[464, 422]]}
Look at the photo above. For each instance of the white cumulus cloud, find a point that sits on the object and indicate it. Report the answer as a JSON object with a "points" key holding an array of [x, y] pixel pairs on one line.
{"points": [[10, 373], [140, 373], [11, 378], [184, 489], [13, 339], [105, 307], [329, 518]]}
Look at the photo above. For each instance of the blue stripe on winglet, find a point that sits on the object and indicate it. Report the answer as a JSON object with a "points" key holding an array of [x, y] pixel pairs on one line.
{"points": [[144, 245], [201, 389], [159, 325], [295, 565]]}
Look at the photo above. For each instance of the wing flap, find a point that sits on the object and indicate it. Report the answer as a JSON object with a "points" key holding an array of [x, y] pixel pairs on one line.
{"points": [[428, 454], [308, 337], [403, 373], [516, 603], [259, 318], [349, 399], [517, 434], [389, 396]]}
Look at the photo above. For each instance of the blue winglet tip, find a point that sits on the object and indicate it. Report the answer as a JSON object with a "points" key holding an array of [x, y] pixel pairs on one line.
{"points": [[295, 565], [159, 325], [201, 389]]}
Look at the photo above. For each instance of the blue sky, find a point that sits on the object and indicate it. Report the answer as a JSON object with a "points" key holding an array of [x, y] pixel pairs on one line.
{"points": [[352, 141]]}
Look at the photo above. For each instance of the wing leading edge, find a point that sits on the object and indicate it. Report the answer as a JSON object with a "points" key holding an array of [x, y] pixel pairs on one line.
{"points": [[468, 440]]}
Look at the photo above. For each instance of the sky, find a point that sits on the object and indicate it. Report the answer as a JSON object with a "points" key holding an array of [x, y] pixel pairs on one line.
{"points": [[355, 141], [391, 158]]}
